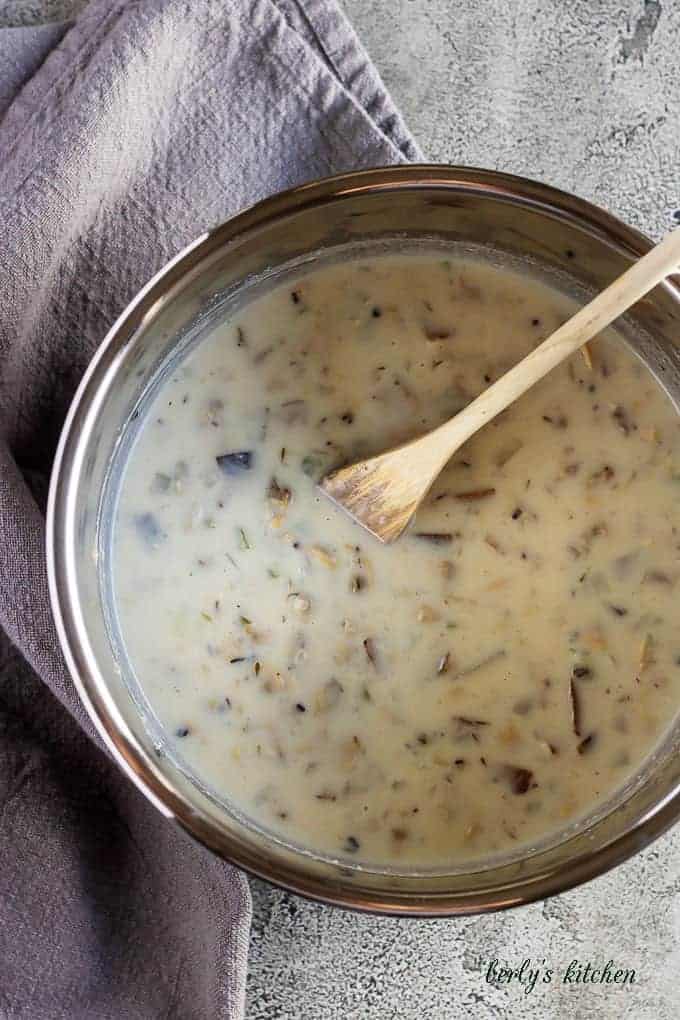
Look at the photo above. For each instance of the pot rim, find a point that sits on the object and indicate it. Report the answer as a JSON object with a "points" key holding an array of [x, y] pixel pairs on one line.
{"points": [[128, 753]]}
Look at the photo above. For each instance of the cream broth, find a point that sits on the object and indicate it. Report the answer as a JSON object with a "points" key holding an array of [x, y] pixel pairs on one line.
{"points": [[480, 684]]}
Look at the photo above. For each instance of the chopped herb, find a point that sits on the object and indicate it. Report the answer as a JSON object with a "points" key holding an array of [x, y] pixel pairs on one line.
{"points": [[466, 728], [438, 332], [294, 412], [656, 577], [494, 544], [437, 537], [370, 649], [575, 702], [443, 664], [618, 610], [474, 494], [622, 419], [481, 664], [646, 657], [560, 421], [605, 474], [244, 543]]}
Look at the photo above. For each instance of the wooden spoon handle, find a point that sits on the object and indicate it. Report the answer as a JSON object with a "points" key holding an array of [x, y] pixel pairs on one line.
{"points": [[637, 281]]}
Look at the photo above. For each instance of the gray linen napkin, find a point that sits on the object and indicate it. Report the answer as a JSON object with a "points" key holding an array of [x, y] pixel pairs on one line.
{"points": [[122, 137]]}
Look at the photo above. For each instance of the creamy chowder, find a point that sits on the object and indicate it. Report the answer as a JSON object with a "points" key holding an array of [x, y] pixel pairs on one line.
{"points": [[473, 688]]}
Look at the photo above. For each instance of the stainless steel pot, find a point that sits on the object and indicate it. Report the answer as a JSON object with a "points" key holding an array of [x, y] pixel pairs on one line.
{"points": [[509, 214]]}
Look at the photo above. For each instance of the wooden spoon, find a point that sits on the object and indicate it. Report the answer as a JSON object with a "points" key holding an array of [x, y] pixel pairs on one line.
{"points": [[384, 492]]}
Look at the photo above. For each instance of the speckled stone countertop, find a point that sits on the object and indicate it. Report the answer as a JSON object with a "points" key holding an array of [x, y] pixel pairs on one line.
{"points": [[584, 95]]}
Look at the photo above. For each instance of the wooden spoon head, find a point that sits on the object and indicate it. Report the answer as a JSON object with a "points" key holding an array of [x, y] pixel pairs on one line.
{"points": [[381, 494]]}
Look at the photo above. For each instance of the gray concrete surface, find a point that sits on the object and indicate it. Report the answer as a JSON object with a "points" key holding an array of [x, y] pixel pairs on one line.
{"points": [[584, 94]]}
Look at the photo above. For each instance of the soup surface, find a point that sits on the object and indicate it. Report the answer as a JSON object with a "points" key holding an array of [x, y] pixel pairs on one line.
{"points": [[478, 685]]}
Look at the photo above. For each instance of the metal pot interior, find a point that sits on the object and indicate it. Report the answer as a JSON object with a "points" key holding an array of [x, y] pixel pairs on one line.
{"points": [[390, 209]]}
